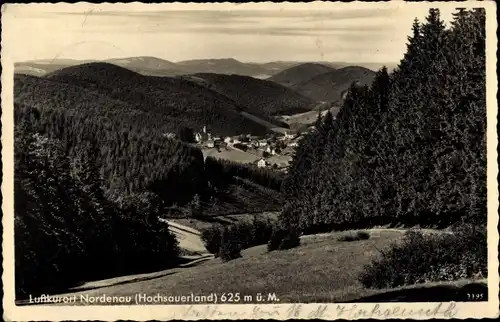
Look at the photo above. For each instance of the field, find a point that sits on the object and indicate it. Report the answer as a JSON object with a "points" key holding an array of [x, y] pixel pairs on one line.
{"points": [[302, 118], [224, 220], [306, 118], [322, 269], [230, 154], [245, 157]]}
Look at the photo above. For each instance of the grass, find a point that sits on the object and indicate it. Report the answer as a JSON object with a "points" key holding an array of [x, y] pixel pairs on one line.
{"points": [[320, 269], [435, 257], [302, 118], [199, 224], [353, 236], [231, 154]]}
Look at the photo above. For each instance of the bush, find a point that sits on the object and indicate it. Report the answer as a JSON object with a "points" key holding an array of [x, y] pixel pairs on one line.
{"points": [[275, 240], [211, 237], [230, 247], [249, 234], [195, 207], [283, 238], [425, 258], [291, 239], [360, 235]]}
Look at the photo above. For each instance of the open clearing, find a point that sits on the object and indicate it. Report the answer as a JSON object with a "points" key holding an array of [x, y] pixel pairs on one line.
{"points": [[270, 126], [322, 269], [230, 154], [223, 220]]}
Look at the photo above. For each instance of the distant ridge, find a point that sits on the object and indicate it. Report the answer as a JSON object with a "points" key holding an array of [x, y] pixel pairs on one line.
{"points": [[222, 66], [154, 66], [148, 65], [300, 73]]}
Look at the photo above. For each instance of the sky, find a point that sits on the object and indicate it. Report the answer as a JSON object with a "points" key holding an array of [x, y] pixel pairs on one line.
{"points": [[370, 32]]}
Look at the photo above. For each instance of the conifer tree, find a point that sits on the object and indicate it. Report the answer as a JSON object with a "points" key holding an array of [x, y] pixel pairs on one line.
{"points": [[230, 247]]}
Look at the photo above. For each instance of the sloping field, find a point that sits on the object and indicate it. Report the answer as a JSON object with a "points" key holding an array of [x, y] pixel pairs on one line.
{"points": [[230, 154], [322, 269], [224, 220]]}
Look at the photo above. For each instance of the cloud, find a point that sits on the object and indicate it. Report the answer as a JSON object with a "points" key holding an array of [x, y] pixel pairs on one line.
{"points": [[338, 33], [236, 23]]}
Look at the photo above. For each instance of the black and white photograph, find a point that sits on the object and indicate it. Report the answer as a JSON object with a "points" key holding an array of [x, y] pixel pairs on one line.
{"points": [[260, 160]]}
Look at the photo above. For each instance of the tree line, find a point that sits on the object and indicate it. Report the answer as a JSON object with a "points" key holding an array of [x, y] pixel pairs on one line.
{"points": [[410, 149], [67, 231]]}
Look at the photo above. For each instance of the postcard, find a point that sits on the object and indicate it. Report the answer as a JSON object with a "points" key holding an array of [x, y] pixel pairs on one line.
{"points": [[187, 161]]}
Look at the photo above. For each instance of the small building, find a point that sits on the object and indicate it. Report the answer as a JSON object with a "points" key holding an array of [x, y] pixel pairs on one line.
{"points": [[228, 140], [262, 163], [169, 135], [262, 143], [210, 144], [200, 137], [271, 150], [294, 144]]}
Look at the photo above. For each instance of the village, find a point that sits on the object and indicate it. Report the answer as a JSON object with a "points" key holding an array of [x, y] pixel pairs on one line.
{"points": [[273, 150]]}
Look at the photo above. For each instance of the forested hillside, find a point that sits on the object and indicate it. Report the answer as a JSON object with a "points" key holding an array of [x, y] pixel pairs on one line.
{"points": [[259, 96], [300, 73], [94, 171], [407, 150], [178, 102], [331, 86], [66, 229], [90, 187]]}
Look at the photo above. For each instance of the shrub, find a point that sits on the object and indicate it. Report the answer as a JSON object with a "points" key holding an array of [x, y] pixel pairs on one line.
{"points": [[254, 233], [195, 207], [283, 238], [275, 239], [291, 239], [436, 257], [230, 247], [360, 235], [211, 237]]}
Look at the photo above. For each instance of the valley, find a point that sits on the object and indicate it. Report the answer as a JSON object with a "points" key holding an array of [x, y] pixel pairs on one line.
{"points": [[316, 181]]}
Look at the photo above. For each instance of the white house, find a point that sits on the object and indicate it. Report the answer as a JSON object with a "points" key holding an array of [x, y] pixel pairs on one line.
{"points": [[228, 139], [169, 135], [294, 144], [210, 144], [262, 163], [262, 143], [271, 150], [288, 136]]}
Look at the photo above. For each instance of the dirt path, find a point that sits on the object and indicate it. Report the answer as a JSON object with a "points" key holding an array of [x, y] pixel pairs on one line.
{"points": [[189, 238]]}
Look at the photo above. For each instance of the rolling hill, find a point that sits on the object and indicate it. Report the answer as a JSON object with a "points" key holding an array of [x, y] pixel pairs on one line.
{"points": [[300, 73], [330, 86], [260, 97], [154, 66], [147, 65], [172, 102], [222, 66]]}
